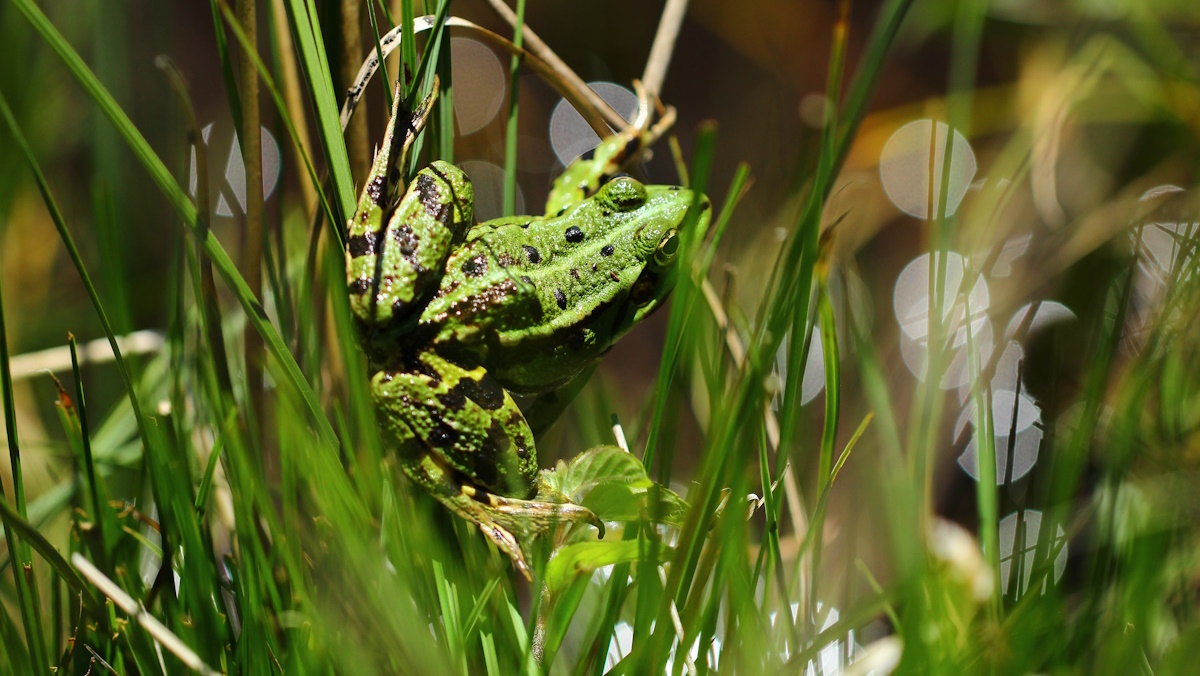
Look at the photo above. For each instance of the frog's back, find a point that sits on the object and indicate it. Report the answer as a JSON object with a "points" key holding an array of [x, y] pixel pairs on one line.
{"points": [[537, 300]]}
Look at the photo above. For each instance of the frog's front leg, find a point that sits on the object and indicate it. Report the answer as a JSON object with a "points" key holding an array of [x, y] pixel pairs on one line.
{"points": [[461, 437]]}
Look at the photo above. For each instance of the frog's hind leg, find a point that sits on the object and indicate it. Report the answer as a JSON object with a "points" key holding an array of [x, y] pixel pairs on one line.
{"points": [[539, 516], [396, 251], [506, 522], [462, 438], [461, 499]]}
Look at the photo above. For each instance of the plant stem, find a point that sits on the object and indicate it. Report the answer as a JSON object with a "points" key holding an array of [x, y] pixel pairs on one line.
{"points": [[357, 141], [252, 235]]}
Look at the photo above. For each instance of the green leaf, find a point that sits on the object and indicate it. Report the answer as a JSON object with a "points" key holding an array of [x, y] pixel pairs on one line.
{"points": [[583, 558], [597, 465], [614, 485], [612, 501]]}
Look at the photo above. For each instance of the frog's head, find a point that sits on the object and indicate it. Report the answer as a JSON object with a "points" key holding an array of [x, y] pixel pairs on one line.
{"points": [[596, 269], [643, 234]]}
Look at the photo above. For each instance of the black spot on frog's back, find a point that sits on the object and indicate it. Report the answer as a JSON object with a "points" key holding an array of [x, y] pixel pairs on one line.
{"points": [[607, 250], [573, 234], [532, 254], [406, 240], [475, 266], [361, 245], [418, 366], [486, 466], [442, 436], [360, 285], [485, 392], [431, 198], [560, 298], [375, 189], [453, 400]]}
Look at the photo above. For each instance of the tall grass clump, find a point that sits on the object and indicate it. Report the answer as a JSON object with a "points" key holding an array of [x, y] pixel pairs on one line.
{"points": [[925, 397]]}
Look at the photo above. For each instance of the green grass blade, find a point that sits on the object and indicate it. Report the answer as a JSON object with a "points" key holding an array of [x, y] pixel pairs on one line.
{"points": [[879, 43], [387, 83], [38, 542], [687, 294], [306, 33], [205, 287], [829, 345], [284, 114], [23, 578], [408, 48], [510, 139], [89, 462], [443, 55], [187, 211], [210, 468], [789, 297], [228, 78], [985, 444], [14, 657]]}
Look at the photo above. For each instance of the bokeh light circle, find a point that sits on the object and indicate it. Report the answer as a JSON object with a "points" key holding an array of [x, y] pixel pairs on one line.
{"points": [[570, 135], [911, 304], [479, 83], [230, 187], [1018, 545], [487, 180], [904, 168], [1010, 411]]}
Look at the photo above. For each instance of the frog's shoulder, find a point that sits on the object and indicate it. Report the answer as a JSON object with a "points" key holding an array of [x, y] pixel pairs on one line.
{"points": [[483, 287]]}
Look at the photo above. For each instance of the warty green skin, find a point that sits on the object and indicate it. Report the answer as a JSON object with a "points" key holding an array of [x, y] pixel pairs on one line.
{"points": [[577, 282], [455, 317]]}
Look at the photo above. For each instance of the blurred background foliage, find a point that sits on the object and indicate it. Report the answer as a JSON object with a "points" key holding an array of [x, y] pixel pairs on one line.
{"points": [[1064, 229]]}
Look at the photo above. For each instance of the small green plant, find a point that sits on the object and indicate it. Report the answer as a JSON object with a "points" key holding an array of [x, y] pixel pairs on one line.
{"points": [[225, 501]]}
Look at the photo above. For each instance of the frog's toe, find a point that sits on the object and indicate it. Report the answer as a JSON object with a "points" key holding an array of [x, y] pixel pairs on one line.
{"points": [[591, 518], [576, 513], [541, 516], [507, 543]]}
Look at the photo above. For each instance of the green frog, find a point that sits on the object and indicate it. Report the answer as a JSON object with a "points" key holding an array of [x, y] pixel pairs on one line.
{"points": [[457, 316]]}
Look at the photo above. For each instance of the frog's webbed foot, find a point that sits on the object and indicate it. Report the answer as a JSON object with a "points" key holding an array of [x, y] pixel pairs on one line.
{"points": [[508, 522], [544, 515]]}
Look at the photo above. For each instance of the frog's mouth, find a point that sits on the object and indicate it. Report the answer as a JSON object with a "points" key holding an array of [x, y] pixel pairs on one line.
{"points": [[646, 295], [644, 289]]}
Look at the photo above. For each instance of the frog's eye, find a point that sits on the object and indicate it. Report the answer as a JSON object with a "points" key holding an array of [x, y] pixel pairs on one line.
{"points": [[624, 193], [667, 248]]}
